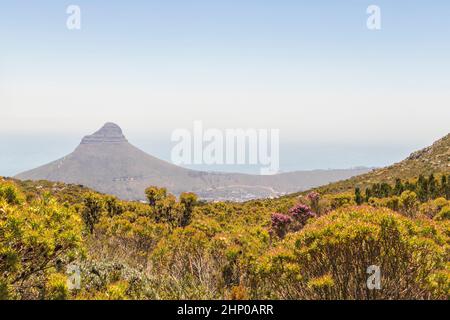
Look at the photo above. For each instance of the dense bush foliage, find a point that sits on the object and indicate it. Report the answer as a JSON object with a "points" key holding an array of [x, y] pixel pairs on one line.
{"points": [[36, 241], [315, 246], [328, 259], [425, 188]]}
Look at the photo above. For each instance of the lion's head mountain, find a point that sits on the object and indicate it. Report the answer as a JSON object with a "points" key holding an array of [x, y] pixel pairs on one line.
{"points": [[107, 162]]}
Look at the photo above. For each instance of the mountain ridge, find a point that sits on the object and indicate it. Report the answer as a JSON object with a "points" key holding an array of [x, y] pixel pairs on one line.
{"points": [[434, 159], [107, 162]]}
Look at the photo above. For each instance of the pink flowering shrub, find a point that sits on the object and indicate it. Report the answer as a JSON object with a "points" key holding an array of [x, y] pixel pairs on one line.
{"points": [[280, 224], [291, 222], [300, 214], [314, 198]]}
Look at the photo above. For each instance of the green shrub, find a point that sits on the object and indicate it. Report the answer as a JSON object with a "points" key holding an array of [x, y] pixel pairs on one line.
{"points": [[409, 203], [56, 287], [92, 210], [11, 194], [341, 200], [35, 240], [444, 214], [431, 208], [328, 259]]}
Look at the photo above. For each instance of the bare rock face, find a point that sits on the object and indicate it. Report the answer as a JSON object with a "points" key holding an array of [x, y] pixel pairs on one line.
{"points": [[417, 155], [109, 133]]}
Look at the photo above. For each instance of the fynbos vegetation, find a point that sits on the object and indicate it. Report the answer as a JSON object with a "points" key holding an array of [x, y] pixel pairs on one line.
{"points": [[61, 241], [171, 248]]}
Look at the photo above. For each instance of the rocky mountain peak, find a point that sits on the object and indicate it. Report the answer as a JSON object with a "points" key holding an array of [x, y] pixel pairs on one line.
{"points": [[109, 133]]}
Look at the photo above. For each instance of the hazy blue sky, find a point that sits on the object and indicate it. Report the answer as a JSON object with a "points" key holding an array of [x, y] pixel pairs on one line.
{"points": [[341, 95]]}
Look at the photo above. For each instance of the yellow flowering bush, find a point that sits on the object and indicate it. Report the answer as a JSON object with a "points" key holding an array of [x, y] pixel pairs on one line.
{"points": [[328, 259]]}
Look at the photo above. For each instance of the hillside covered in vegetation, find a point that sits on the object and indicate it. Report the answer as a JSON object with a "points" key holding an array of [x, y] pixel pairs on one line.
{"points": [[434, 159], [314, 245]]}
